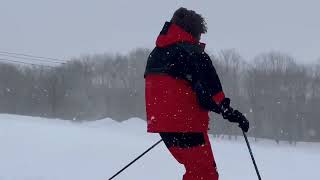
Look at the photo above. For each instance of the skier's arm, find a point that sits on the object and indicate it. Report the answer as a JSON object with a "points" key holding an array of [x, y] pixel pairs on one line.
{"points": [[211, 96], [207, 85]]}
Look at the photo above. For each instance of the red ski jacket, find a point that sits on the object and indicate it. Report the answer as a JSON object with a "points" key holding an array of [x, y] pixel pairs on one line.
{"points": [[181, 84]]}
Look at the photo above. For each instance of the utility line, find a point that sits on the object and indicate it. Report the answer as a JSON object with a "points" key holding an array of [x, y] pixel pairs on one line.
{"points": [[32, 56], [21, 62], [33, 59]]}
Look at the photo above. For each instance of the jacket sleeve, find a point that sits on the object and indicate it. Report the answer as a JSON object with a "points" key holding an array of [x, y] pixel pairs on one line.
{"points": [[206, 83]]}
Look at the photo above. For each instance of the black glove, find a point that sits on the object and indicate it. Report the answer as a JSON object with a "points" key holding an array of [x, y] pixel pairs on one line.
{"points": [[241, 119], [225, 109], [233, 115]]}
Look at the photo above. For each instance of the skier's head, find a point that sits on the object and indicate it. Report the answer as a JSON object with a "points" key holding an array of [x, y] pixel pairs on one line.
{"points": [[190, 21]]}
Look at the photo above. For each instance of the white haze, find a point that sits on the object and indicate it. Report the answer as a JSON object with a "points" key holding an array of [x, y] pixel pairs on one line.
{"points": [[64, 29]]}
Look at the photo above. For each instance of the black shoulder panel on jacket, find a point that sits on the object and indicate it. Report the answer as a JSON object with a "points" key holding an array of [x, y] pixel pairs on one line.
{"points": [[171, 60]]}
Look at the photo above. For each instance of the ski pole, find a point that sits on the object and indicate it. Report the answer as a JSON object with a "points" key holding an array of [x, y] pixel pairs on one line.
{"points": [[136, 159], [251, 154]]}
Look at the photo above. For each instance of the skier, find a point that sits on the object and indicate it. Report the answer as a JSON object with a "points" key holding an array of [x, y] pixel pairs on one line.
{"points": [[182, 86]]}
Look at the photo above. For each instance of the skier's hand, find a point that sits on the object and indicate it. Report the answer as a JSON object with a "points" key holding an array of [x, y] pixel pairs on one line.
{"points": [[233, 115], [241, 119], [226, 110]]}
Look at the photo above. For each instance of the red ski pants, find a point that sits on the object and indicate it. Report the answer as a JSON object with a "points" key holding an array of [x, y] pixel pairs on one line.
{"points": [[197, 159]]}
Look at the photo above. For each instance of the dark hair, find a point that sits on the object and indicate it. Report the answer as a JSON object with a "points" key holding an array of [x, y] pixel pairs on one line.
{"points": [[190, 21]]}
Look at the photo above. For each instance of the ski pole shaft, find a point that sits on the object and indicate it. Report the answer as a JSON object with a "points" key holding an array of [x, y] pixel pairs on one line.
{"points": [[136, 159], [251, 154]]}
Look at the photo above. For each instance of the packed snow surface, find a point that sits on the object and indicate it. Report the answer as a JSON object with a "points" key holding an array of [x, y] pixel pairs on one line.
{"points": [[34, 148]]}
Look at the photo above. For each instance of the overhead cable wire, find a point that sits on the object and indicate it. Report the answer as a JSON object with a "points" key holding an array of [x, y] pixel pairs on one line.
{"points": [[21, 62], [33, 59], [32, 56]]}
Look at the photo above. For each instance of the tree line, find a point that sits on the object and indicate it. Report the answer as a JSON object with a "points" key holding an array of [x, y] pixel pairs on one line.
{"points": [[280, 97]]}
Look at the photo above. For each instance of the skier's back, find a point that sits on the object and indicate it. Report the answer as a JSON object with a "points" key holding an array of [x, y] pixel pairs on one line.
{"points": [[182, 86]]}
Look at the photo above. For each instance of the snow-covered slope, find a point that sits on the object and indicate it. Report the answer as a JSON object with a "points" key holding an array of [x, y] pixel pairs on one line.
{"points": [[40, 149]]}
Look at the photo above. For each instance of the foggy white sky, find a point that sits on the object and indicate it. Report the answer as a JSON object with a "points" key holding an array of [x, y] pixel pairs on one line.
{"points": [[68, 28]]}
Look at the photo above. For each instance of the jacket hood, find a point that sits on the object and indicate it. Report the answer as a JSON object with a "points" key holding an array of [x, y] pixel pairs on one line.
{"points": [[173, 34]]}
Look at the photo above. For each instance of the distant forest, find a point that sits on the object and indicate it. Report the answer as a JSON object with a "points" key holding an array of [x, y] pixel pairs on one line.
{"points": [[280, 97]]}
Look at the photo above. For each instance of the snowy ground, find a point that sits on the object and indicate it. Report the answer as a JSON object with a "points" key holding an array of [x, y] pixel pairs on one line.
{"points": [[41, 149]]}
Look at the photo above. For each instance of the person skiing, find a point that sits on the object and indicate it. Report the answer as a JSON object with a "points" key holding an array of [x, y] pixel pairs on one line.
{"points": [[181, 87]]}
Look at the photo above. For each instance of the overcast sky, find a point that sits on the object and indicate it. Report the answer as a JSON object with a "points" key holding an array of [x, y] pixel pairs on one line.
{"points": [[70, 28]]}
